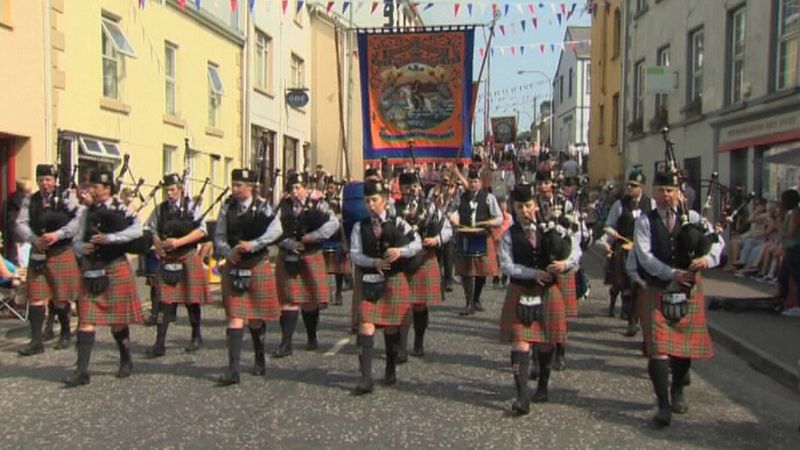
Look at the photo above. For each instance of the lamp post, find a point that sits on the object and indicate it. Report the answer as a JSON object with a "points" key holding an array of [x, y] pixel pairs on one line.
{"points": [[552, 97]]}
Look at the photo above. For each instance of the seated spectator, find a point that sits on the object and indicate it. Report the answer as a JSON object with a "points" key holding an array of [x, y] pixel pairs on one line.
{"points": [[790, 243], [9, 277], [744, 243], [767, 261]]}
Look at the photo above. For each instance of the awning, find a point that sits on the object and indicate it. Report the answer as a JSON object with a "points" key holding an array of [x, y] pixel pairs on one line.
{"points": [[788, 154]]}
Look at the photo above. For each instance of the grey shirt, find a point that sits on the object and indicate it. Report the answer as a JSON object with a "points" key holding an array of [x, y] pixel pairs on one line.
{"points": [[68, 231], [221, 231], [133, 231], [407, 251]]}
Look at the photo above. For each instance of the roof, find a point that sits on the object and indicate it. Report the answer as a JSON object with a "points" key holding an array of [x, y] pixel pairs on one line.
{"points": [[580, 34]]}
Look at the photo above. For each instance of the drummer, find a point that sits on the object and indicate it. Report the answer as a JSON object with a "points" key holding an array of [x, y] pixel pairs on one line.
{"points": [[476, 211]]}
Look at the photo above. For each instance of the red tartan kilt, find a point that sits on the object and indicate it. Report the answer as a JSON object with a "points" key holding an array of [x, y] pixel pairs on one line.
{"points": [[393, 309], [484, 266], [309, 286], [192, 289], [118, 305], [551, 329], [426, 282], [688, 338], [60, 280], [260, 302], [335, 266], [566, 282], [616, 276]]}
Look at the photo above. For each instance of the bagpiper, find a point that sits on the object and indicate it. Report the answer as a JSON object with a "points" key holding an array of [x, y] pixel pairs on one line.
{"points": [[249, 291], [49, 222], [180, 277], [558, 210], [424, 274], [476, 256], [534, 311], [671, 305], [108, 291], [337, 258], [300, 226], [443, 195], [618, 241], [381, 246]]}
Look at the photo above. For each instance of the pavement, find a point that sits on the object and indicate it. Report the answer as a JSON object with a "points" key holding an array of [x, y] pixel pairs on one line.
{"points": [[457, 396]]}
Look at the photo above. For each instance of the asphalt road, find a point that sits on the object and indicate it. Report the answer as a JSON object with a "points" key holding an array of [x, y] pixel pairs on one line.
{"points": [[458, 395]]}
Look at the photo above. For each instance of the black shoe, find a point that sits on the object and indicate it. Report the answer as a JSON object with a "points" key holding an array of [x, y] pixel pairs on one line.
{"points": [[479, 307], [337, 300], [687, 379], [663, 417], [390, 380], [539, 397], [364, 387], [77, 379], [125, 369], [468, 311], [282, 351], [448, 286], [402, 356], [151, 321], [632, 330], [417, 352], [678, 404], [156, 351], [260, 368], [312, 345], [48, 334], [534, 374], [194, 345], [228, 378], [63, 342], [31, 349], [520, 409]]}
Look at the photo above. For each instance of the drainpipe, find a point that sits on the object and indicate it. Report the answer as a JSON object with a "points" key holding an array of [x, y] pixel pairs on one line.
{"points": [[48, 84], [623, 137]]}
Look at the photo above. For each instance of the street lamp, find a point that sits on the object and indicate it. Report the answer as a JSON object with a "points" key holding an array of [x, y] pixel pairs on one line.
{"points": [[552, 98]]}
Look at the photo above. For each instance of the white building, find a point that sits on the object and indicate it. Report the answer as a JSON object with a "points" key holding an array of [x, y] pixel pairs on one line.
{"points": [[571, 90]]}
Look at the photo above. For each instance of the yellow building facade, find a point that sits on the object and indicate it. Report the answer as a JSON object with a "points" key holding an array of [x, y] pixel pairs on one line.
{"points": [[145, 82], [605, 133]]}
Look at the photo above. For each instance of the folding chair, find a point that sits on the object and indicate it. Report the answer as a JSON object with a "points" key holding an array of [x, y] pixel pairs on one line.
{"points": [[8, 296]]}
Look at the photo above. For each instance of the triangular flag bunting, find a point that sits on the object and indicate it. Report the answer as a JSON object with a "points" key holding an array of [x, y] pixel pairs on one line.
{"points": [[494, 9], [141, 4], [427, 7], [329, 7], [456, 7], [563, 8], [182, 4], [535, 23], [251, 5], [469, 9], [345, 5], [197, 4], [505, 9], [480, 52], [513, 52], [374, 7], [541, 48], [234, 5], [299, 6], [284, 5], [502, 30], [571, 11], [558, 15], [521, 50], [531, 9], [522, 24]]}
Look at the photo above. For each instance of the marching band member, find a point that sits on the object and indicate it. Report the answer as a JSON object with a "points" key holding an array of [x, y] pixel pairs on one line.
{"points": [[108, 290], [49, 222], [337, 259]]}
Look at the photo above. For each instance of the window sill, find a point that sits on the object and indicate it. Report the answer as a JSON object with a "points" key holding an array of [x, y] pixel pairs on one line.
{"points": [[264, 92], [783, 93], [733, 107], [300, 110], [216, 132], [6, 23], [169, 119], [109, 104]]}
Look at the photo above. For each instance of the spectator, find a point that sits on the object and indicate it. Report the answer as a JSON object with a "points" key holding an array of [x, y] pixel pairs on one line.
{"points": [[766, 264], [22, 190], [747, 242], [8, 272], [790, 243]]}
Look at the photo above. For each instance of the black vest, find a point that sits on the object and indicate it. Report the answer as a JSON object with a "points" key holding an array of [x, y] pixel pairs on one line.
{"points": [[175, 223], [45, 218], [247, 226], [310, 219], [547, 250], [482, 213], [102, 219], [391, 237], [626, 221], [663, 245]]}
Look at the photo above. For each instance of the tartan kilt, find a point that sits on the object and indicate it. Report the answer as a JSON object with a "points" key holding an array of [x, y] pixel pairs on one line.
{"points": [[338, 262], [688, 338], [193, 289], [260, 302], [119, 304], [551, 329], [59, 281], [391, 310], [426, 282], [616, 276], [309, 286], [483, 266], [566, 283]]}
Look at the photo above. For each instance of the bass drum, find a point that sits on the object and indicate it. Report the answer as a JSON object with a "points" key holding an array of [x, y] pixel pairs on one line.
{"points": [[353, 207]]}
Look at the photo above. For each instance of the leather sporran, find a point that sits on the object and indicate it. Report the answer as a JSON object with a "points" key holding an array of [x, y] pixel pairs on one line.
{"points": [[529, 309], [293, 263], [373, 286], [674, 306], [96, 281], [172, 273], [240, 280]]}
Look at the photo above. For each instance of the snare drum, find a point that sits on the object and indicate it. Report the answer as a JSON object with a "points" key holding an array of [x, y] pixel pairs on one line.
{"points": [[331, 245], [471, 242]]}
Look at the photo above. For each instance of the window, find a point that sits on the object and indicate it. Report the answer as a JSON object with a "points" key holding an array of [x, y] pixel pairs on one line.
{"points": [[617, 32], [228, 170], [97, 149], [662, 60], [588, 67], [263, 62], [614, 119], [289, 153], [788, 27], [638, 90], [170, 78], [167, 156], [215, 91], [561, 88], [601, 125], [695, 85], [736, 30], [114, 46], [641, 6], [569, 95], [298, 72]]}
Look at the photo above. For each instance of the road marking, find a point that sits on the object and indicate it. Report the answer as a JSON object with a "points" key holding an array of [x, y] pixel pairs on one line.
{"points": [[338, 346]]}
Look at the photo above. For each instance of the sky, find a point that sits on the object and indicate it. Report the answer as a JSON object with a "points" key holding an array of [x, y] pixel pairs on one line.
{"points": [[512, 93]]}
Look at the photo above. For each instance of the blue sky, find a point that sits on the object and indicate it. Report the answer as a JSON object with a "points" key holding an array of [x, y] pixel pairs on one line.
{"points": [[519, 92]]}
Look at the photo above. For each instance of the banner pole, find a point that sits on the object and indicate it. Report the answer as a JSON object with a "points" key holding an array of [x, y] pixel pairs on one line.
{"points": [[341, 103]]}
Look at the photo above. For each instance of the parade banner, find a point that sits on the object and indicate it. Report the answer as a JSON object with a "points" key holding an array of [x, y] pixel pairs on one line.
{"points": [[416, 87], [504, 129]]}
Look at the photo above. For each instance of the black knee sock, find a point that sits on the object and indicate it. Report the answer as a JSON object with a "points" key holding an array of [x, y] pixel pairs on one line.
{"points": [[339, 281], [257, 335], [392, 343], [154, 302], [85, 343], [561, 350], [680, 366], [63, 319], [123, 343], [311, 320], [162, 323], [36, 318], [420, 325], [234, 338], [520, 367], [479, 283], [51, 315], [402, 341], [365, 345], [288, 324], [195, 317], [545, 361], [468, 283], [659, 375]]}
